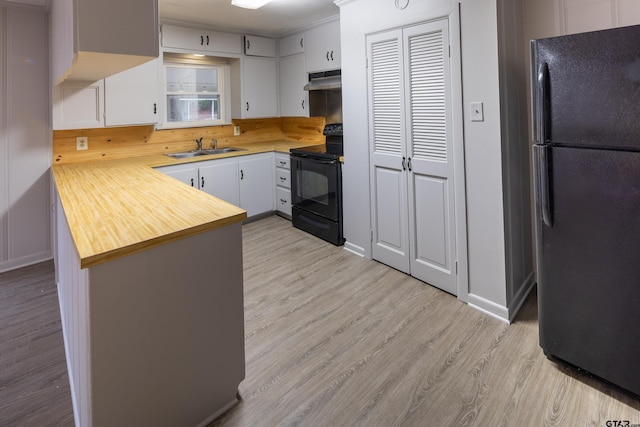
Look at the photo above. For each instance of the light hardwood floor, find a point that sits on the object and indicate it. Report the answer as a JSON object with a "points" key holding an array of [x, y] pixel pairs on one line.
{"points": [[334, 340]]}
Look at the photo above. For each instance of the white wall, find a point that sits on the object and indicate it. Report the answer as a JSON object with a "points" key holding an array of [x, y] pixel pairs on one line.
{"points": [[483, 155], [25, 141], [483, 143]]}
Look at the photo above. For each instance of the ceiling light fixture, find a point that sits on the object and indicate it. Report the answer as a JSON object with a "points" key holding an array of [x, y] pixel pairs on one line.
{"points": [[249, 4]]}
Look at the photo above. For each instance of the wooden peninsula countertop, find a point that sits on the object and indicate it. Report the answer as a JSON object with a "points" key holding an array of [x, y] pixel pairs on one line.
{"points": [[115, 208]]}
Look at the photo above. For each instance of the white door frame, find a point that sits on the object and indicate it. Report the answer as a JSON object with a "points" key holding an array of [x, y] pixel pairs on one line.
{"points": [[457, 137]]}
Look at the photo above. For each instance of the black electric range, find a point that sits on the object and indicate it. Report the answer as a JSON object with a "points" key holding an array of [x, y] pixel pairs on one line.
{"points": [[316, 187]]}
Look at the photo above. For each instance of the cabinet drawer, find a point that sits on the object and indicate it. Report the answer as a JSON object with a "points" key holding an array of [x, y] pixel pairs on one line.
{"points": [[282, 161], [283, 177], [283, 200]]}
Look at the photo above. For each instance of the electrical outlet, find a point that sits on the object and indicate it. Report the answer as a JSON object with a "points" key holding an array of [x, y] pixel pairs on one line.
{"points": [[236, 130], [82, 143]]}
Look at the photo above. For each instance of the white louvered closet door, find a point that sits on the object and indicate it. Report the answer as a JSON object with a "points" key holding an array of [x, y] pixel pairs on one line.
{"points": [[411, 152], [388, 150], [428, 118]]}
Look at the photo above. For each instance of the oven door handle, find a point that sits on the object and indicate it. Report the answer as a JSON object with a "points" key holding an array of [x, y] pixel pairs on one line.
{"points": [[314, 159]]}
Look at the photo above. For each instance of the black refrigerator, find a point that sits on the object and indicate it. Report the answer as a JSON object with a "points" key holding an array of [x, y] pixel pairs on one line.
{"points": [[586, 157]]}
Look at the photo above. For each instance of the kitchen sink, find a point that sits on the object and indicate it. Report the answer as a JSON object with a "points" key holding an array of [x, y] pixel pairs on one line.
{"points": [[187, 154], [196, 153], [223, 150]]}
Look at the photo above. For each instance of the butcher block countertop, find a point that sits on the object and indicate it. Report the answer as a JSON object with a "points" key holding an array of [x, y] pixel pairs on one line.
{"points": [[119, 207]]}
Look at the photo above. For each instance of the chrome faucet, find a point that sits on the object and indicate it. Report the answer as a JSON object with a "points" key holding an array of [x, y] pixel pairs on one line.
{"points": [[214, 144], [199, 142]]}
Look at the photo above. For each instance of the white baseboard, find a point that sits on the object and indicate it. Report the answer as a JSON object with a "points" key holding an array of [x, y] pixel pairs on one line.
{"points": [[355, 249], [25, 261], [489, 307], [506, 314]]}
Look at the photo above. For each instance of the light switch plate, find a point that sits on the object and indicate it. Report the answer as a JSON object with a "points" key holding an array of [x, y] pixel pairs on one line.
{"points": [[236, 130], [477, 112]]}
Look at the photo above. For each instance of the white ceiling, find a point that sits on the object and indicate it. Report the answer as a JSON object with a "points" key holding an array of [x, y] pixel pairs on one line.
{"points": [[275, 19]]}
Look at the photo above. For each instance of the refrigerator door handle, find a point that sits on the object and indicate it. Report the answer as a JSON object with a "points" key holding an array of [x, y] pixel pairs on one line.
{"points": [[533, 87], [542, 182], [543, 107]]}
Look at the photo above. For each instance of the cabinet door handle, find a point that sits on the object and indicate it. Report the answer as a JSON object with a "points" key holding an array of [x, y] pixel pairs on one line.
{"points": [[282, 178], [282, 163], [241, 174], [201, 40], [332, 55], [247, 106], [155, 108], [207, 40], [303, 104], [327, 55], [302, 43], [404, 166], [248, 44], [283, 201], [192, 182], [202, 183], [409, 164]]}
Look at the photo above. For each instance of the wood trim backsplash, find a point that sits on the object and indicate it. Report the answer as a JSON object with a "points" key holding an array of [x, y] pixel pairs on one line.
{"points": [[132, 141]]}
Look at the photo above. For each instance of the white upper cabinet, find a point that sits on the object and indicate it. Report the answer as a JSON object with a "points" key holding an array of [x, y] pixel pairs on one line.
{"points": [[93, 39], [131, 97], [78, 105], [293, 98], [322, 47], [193, 39], [260, 94], [260, 46], [128, 98], [291, 45]]}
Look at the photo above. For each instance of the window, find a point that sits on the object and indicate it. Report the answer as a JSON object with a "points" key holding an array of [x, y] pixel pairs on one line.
{"points": [[194, 89]]}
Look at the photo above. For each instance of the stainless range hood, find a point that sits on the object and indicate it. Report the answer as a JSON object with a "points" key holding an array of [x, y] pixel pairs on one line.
{"points": [[322, 81], [325, 95]]}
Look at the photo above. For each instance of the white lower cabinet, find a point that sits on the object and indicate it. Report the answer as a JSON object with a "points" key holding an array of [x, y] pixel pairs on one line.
{"points": [[256, 183], [220, 179], [245, 181], [283, 184], [187, 173]]}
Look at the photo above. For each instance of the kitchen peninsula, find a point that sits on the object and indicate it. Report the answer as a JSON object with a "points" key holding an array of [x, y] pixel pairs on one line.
{"points": [[150, 288], [149, 274]]}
